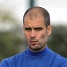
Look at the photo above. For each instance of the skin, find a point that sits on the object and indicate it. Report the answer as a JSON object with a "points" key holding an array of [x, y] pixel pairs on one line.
{"points": [[36, 33]]}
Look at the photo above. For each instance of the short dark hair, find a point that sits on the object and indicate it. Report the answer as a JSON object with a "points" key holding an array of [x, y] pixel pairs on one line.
{"points": [[44, 13]]}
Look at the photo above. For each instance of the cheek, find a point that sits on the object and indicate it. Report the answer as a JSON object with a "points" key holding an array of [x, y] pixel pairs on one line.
{"points": [[43, 37], [26, 36]]}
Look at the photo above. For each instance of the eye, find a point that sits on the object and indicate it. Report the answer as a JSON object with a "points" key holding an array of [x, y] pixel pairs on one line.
{"points": [[28, 29], [38, 29]]}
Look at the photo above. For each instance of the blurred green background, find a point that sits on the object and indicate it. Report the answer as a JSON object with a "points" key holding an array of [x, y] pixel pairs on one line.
{"points": [[12, 40]]}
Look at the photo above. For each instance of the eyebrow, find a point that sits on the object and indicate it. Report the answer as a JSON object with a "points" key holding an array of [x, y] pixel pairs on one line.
{"points": [[36, 28]]}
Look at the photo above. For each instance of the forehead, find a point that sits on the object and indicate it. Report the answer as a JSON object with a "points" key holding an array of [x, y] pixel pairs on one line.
{"points": [[34, 18], [34, 22]]}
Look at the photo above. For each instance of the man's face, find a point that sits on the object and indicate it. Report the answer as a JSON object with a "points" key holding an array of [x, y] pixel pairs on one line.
{"points": [[36, 33]]}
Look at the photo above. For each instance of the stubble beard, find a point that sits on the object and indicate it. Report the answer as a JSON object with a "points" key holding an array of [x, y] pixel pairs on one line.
{"points": [[37, 49]]}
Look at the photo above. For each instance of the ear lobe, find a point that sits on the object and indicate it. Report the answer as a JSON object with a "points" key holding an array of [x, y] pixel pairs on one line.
{"points": [[49, 29]]}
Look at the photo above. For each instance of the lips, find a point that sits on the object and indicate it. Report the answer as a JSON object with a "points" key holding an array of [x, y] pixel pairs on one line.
{"points": [[33, 42]]}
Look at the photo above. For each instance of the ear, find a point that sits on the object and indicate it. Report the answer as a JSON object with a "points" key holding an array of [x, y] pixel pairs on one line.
{"points": [[49, 29]]}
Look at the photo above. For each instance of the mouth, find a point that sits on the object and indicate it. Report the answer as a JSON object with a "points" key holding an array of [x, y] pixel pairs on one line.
{"points": [[33, 42]]}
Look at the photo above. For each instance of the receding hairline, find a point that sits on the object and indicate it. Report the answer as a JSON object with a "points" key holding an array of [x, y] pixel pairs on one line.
{"points": [[35, 12]]}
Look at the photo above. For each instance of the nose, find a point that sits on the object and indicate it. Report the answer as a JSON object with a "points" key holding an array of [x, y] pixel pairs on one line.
{"points": [[33, 34]]}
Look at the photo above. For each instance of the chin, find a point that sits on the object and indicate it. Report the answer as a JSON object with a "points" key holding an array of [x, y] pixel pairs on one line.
{"points": [[36, 49]]}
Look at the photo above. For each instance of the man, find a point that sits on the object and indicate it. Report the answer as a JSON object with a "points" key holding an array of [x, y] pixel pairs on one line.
{"points": [[36, 28]]}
